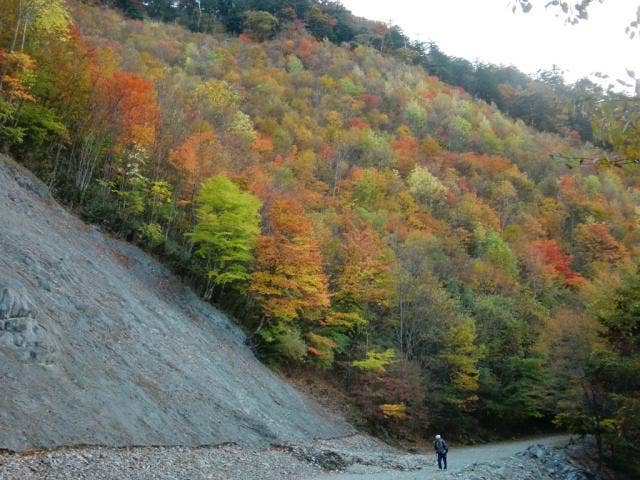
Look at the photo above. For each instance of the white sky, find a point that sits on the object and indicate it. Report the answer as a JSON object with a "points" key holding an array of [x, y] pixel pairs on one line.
{"points": [[488, 31]]}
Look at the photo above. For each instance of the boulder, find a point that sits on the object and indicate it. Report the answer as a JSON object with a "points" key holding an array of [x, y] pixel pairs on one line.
{"points": [[14, 303]]}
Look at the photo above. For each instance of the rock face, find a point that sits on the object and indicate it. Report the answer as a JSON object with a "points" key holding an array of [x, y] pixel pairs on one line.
{"points": [[100, 344], [14, 304], [20, 333]]}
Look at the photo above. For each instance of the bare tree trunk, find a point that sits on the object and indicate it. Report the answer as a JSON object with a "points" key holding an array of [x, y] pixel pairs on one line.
{"points": [[24, 35], [83, 164], [172, 218], [402, 350], [87, 181], [54, 173], [208, 291], [88, 158], [260, 325], [15, 33]]}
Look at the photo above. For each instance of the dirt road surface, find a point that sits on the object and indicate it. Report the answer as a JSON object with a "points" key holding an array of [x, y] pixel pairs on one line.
{"points": [[458, 459]]}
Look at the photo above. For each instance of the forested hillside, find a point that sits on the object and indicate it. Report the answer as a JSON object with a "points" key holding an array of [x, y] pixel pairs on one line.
{"points": [[545, 102], [356, 215]]}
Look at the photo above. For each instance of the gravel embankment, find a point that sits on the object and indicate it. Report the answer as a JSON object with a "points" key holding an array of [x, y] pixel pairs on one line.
{"points": [[157, 463], [224, 462], [101, 345]]}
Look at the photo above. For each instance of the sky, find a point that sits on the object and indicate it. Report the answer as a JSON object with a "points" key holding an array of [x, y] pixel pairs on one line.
{"points": [[489, 31]]}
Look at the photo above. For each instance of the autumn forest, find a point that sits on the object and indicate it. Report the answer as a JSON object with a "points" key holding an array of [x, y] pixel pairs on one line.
{"points": [[446, 244]]}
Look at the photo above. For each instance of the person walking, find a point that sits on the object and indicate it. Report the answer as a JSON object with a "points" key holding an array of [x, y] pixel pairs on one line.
{"points": [[441, 448]]}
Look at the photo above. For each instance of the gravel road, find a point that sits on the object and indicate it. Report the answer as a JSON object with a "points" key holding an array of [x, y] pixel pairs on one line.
{"points": [[349, 458], [458, 459]]}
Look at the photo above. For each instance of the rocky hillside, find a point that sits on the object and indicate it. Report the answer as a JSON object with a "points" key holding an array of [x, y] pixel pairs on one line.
{"points": [[100, 344]]}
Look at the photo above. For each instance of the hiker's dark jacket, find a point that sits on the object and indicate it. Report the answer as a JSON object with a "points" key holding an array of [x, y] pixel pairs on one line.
{"points": [[440, 446]]}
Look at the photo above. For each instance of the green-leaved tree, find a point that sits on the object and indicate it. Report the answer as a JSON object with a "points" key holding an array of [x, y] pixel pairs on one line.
{"points": [[225, 235]]}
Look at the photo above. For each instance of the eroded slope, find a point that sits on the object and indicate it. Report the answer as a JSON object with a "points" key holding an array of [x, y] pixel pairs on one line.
{"points": [[100, 344]]}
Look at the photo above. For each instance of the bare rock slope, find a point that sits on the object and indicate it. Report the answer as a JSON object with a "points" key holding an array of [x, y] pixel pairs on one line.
{"points": [[100, 344]]}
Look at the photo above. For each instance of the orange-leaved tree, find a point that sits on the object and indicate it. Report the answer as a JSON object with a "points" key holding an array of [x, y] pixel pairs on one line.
{"points": [[128, 105], [198, 157], [557, 264], [288, 280]]}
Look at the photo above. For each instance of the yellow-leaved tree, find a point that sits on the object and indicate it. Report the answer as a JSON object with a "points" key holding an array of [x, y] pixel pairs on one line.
{"points": [[32, 18]]}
